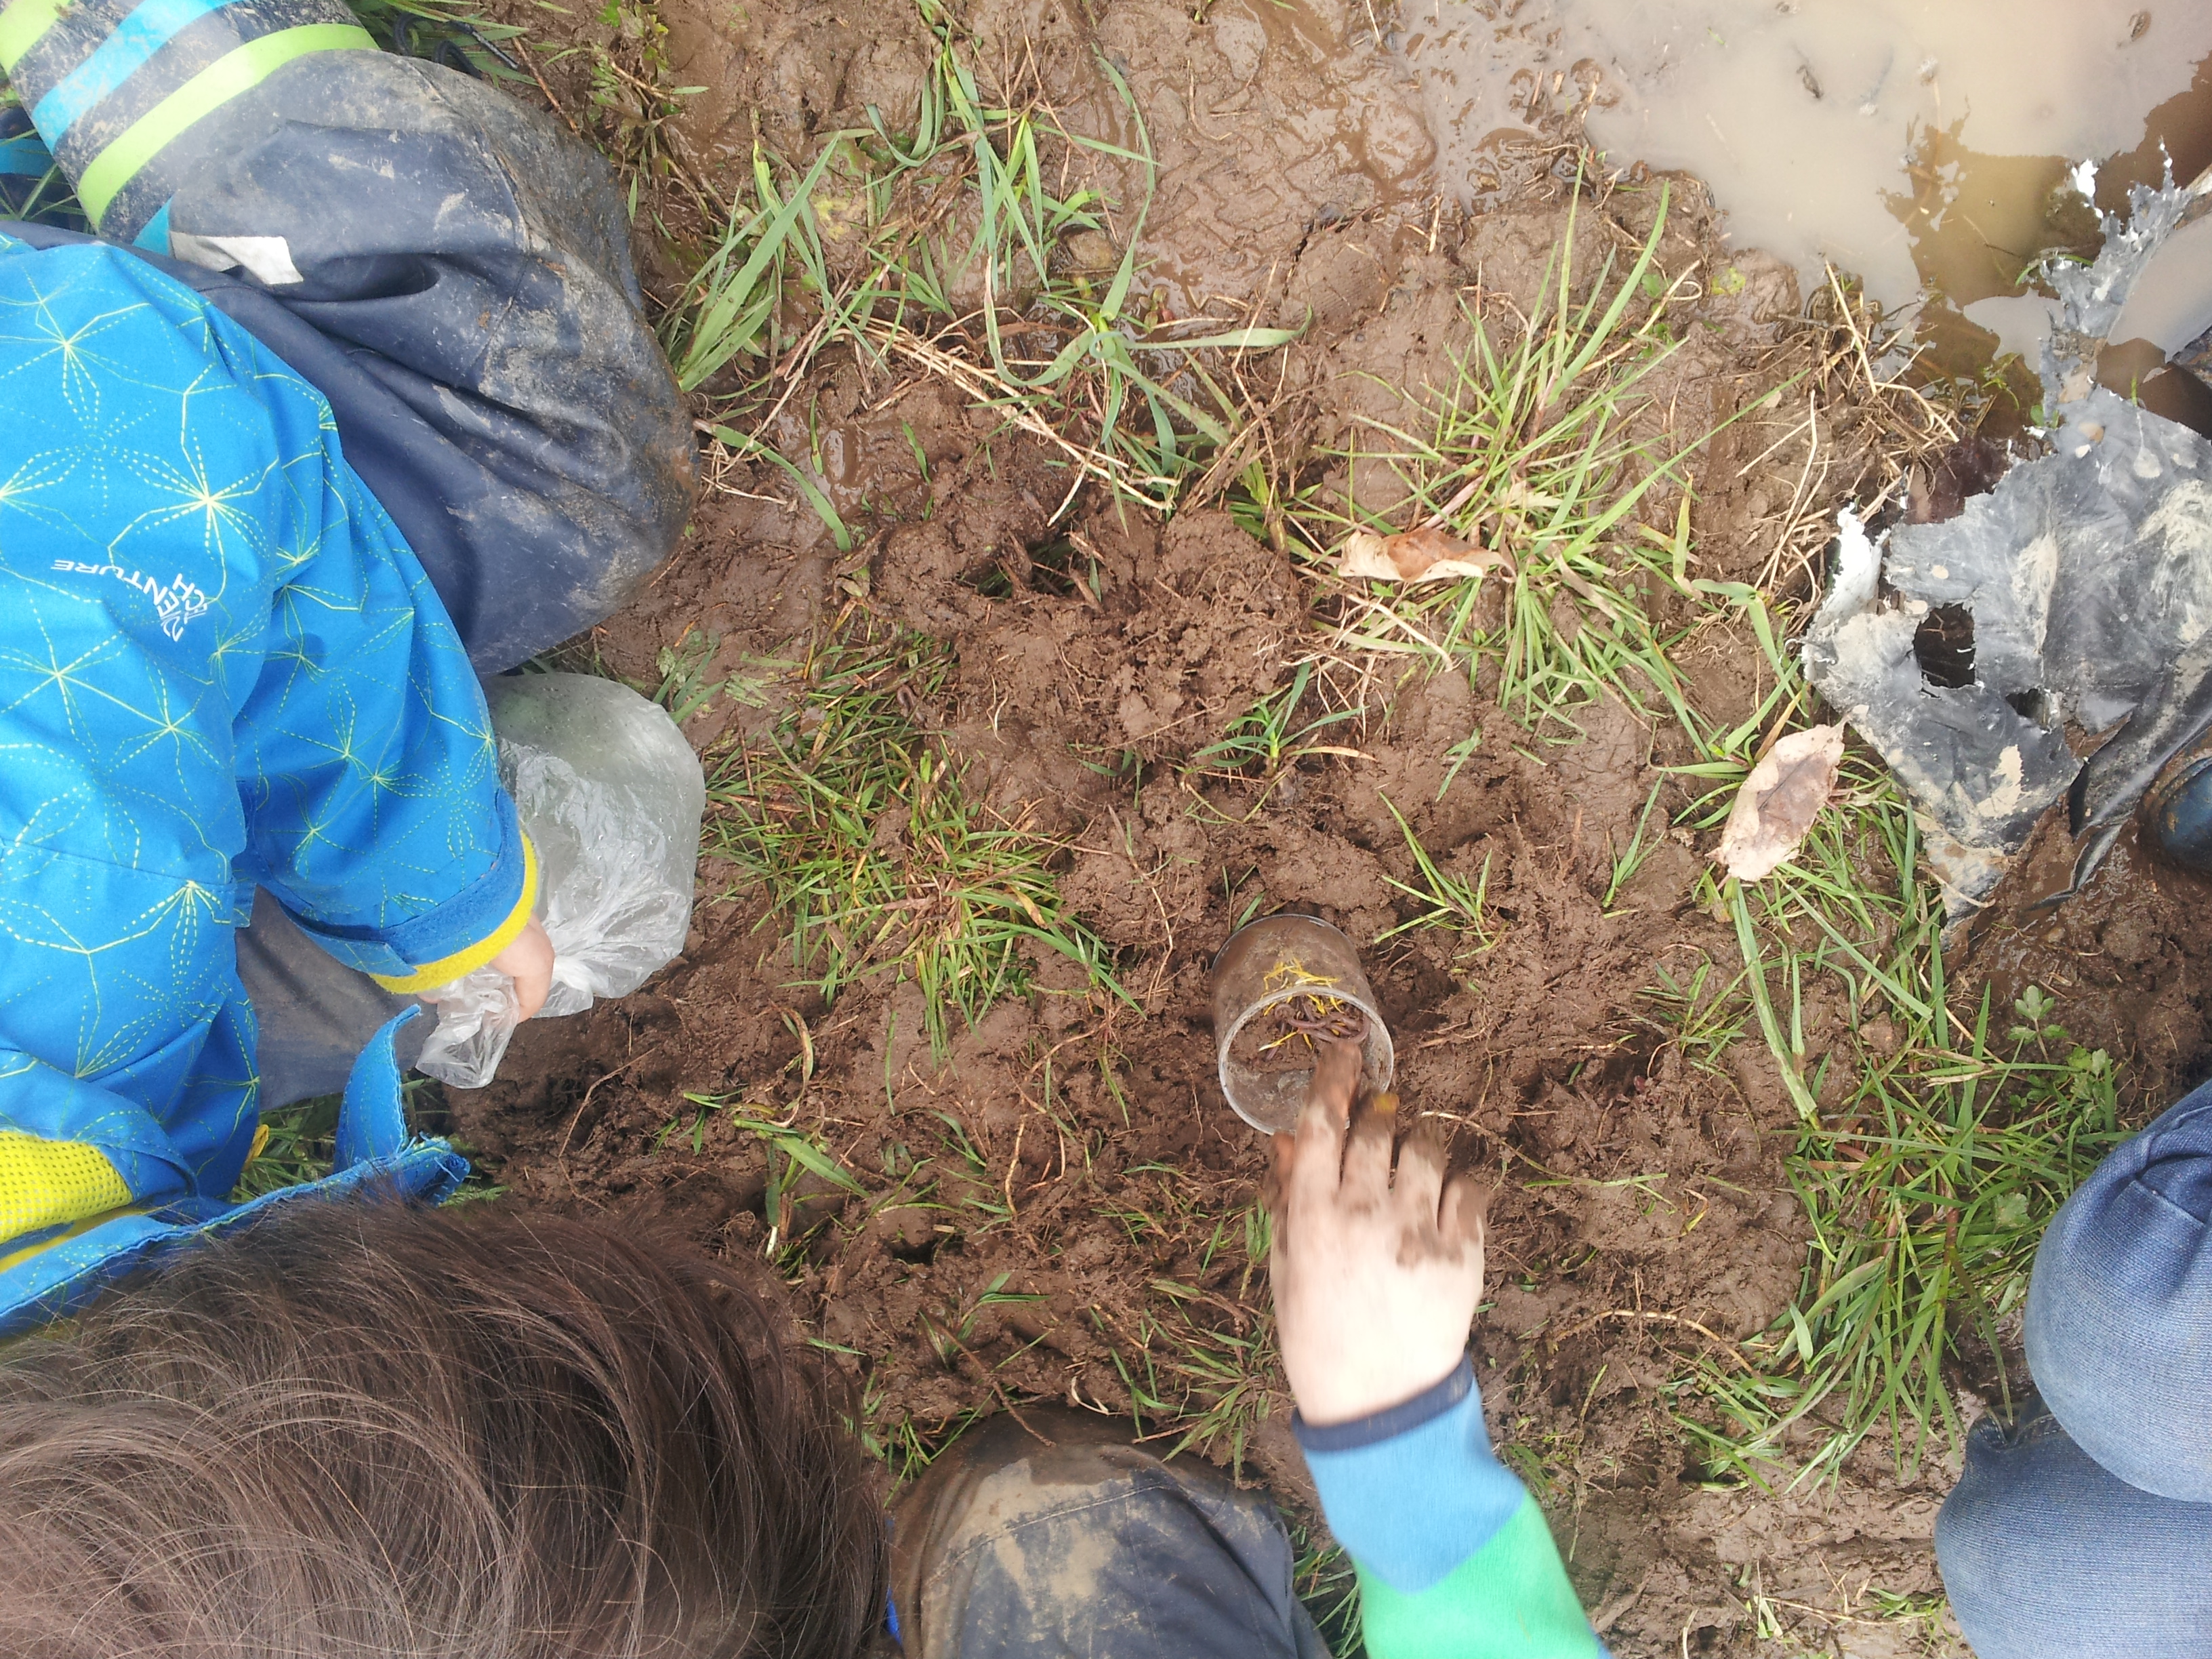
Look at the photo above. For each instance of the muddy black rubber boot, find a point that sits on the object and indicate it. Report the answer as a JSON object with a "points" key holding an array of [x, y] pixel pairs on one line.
{"points": [[1049, 1535], [2178, 808]]}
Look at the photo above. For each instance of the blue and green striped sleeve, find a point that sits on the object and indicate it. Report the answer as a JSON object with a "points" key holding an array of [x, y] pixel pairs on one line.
{"points": [[1455, 1560]]}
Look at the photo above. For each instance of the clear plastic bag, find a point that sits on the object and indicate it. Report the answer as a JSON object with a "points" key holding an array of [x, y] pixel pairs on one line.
{"points": [[611, 796]]}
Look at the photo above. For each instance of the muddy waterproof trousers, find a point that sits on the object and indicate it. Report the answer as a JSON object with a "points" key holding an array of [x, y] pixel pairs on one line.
{"points": [[1050, 1536], [2084, 1529], [447, 266]]}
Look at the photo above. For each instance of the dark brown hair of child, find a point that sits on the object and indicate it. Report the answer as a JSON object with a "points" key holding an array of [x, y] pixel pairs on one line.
{"points": [[384, 1431]]}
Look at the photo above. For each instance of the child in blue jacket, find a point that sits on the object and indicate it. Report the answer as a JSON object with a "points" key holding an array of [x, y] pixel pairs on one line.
{"points": [[221, 668], [350, 400]]}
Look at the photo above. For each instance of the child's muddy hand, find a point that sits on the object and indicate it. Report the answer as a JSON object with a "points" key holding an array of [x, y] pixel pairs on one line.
{"points": [[1376, 1280]]}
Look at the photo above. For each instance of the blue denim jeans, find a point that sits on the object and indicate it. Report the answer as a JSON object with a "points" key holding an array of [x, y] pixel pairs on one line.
{"points": [[2085, 1530]]}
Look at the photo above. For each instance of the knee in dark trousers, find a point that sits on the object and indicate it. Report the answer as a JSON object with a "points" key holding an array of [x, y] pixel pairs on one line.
{"points": [[444, 264], [1049, 1535]]}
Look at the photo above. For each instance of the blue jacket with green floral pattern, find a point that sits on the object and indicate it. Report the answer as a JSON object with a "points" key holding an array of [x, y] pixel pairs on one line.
{"points": [[219, 667]]}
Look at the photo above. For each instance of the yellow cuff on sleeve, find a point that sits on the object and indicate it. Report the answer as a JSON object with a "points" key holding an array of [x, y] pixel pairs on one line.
{"points": [[445, 970], [48, 1184]]}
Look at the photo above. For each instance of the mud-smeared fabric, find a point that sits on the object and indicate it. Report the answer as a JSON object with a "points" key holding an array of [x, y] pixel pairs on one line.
{"points": [[136, 97], [453, 272], [1058, 1542]]}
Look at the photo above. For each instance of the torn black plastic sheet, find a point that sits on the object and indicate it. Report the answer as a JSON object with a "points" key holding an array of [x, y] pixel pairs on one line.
{"points": [[2088, 574], [2084, 579]]}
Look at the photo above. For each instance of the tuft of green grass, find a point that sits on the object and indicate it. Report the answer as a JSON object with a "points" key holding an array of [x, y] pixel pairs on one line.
{"points": [[450, 32], [736, 299], [792, 1152], [1190, 1376], [685, 688], [1544, 446], [1700, 1016], [633, 95], [1943, 1149], [1267, 740], [858, 825], [1210, 1387], [48, 197], [1640, 846], [1197, 1361], [950, 1333], [906, 1445], [301, 1146], [1326, 1581], [1449, 902], [1927, 1190], [867, 248], [1805, 1629]]}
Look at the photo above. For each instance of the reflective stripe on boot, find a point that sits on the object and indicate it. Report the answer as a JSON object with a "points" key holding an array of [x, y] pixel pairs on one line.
{"points": [[132, 98]]}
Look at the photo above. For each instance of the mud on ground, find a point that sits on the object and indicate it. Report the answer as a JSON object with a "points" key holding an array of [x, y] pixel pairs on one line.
{"points": [[1086, 1237]]}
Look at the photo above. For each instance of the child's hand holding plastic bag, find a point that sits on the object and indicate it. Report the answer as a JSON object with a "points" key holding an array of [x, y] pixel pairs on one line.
{"points": [[610, 795]]}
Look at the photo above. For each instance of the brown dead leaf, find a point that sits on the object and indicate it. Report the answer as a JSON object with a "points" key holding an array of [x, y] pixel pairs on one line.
{"points": [[1418, 556], [1779, 801]]}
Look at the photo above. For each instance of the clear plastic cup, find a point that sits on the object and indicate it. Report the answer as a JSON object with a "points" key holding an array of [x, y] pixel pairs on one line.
{"points": [[1277, 961]]}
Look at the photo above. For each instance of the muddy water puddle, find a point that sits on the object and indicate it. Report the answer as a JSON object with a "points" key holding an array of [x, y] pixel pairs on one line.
{"points": [[1926, 145]]}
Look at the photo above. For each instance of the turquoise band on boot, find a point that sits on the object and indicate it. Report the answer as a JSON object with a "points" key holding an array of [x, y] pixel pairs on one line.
{"points": [[132, 99], [116, 58]]}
